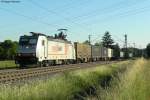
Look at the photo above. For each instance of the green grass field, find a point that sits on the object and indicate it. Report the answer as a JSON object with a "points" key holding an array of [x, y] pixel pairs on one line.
{"points": [[66, 86], [134, 84], [7, 64]]}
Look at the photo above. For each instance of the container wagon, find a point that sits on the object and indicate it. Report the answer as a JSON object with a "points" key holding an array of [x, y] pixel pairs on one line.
{"points": [[83, 52], [106, 53], [96, 53]]}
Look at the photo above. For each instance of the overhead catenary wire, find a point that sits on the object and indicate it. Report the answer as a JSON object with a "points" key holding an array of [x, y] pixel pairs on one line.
{"points": [[27, 17], [122, 15], [109, 9], [90, 14], [51, 12], [57, 14], [63, 8], [109, 17], [70, 5]]}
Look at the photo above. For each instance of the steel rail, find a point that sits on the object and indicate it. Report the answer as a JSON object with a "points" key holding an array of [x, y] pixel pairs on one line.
{"points": [[21, 74]]}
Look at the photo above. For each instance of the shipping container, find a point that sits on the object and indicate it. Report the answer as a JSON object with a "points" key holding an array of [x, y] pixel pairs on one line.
{"points": [[121, 54], [96, 51], [83, 52], [110, 53]]}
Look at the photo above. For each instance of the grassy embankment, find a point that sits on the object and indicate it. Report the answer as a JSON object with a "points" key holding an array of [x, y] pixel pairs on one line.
{"points": [[7, 64], [68, 85], [134, 84]]}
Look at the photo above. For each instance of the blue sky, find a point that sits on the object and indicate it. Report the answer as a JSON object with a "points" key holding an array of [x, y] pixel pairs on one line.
{"points": [[80, 17]]}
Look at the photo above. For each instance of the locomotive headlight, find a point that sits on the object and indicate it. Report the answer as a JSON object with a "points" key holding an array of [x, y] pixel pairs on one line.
{"points": [[33, 54], [19, 54]]}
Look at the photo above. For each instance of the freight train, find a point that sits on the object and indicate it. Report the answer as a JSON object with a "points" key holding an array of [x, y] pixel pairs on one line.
{"points": [[44, 50]]}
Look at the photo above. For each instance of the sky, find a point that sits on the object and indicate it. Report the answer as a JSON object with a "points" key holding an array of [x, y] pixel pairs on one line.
{"points": [[80, 17]]}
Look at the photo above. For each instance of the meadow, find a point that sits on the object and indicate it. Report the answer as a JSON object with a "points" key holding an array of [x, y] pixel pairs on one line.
{"points": [[7, 64], [65, 86], [134, 84]]}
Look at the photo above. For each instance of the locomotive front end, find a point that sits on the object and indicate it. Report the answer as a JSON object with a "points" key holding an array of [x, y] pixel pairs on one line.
{"points": [[27, 50]]}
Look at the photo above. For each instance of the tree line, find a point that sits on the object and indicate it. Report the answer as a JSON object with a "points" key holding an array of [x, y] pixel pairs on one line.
{"points": [[8, 49]]}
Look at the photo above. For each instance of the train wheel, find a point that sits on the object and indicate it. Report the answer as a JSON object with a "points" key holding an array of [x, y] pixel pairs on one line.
{"points": [[46, 64], [21, 66], [40, 64]]}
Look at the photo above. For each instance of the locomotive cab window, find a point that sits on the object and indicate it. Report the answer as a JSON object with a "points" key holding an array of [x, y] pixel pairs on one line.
{"points": [[33, 41]]}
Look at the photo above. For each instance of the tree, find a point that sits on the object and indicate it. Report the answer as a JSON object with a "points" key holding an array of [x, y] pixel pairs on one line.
{"points": [[13, 50], [1, 53], [148, 50], [8, 49], [86, 42], [98, 44], [7, 44], [107, 41]]}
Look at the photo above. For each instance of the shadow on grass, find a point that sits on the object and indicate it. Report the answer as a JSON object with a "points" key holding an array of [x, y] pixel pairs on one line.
{"points": [[103, 82]]}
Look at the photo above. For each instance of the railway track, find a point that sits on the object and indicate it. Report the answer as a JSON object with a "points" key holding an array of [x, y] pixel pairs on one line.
{"points": [[11, 76]]}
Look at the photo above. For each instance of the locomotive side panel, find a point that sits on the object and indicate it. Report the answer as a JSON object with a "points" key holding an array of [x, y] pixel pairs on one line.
{"points": [[41, 48], [60, 50]]}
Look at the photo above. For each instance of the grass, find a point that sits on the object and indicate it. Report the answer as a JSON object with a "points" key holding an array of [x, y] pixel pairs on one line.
{"points": [[134, 84], [7, 64], [65, 86]]}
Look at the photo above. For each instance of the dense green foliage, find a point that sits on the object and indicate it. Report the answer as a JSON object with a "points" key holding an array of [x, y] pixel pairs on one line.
{"points": [[86, 42], [8, 49], [107, 41], [148, 50], [98, 44]]}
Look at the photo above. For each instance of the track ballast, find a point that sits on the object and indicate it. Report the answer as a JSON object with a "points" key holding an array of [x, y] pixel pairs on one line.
{"points": [[12, 76]]}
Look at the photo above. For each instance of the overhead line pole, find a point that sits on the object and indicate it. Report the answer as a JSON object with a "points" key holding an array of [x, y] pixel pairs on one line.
{"points": [[90, 39], [91, 46], [126, 51], [134, 50]]}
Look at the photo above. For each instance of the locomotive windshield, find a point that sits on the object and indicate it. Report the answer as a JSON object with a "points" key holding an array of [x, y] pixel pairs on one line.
{"points": [[28, 41]]}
